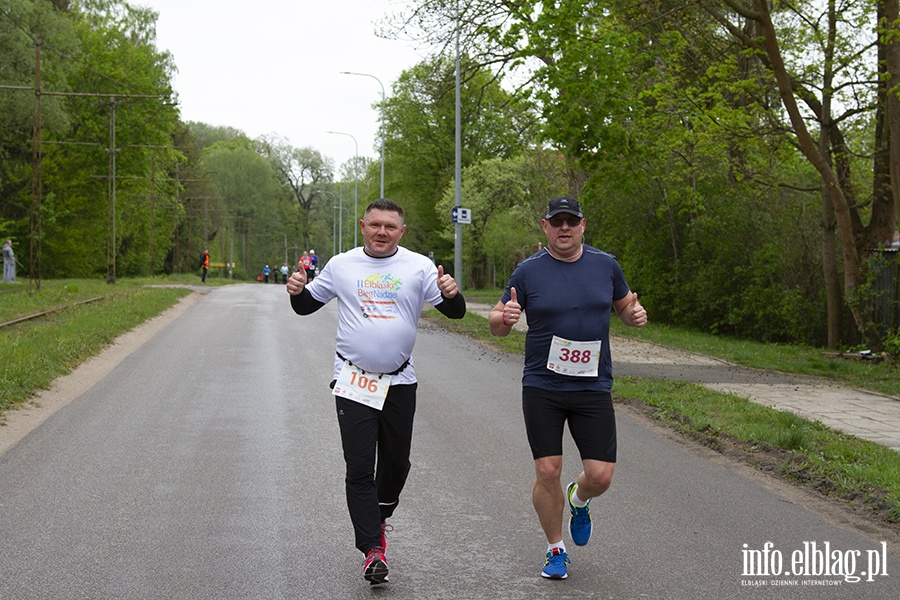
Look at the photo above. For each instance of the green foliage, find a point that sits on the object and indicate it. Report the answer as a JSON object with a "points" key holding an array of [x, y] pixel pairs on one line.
{"points": [[506, 197], [35, 352], [23, 25], [665, 123], [304, 174], [690, 175], [892, 345], [586, 89], [420, 140], [248, 199], [683, 172], [102, 55]]}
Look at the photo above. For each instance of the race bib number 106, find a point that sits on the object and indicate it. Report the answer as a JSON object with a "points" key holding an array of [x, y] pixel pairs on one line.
{"points": [[578, 359], [366, 388]]}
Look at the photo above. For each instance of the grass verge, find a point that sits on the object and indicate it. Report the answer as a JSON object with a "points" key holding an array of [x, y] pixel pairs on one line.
{"points": [[35, 352], [835, 464]]}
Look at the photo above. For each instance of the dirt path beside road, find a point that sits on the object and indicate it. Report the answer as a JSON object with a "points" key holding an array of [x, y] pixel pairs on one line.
{"points": [[867, 415]]}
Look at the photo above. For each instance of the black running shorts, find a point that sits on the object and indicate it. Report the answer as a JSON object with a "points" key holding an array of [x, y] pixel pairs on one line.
{"points": [[591, 418]]}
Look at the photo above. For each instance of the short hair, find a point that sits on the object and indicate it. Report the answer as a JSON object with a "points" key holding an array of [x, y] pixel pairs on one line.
{"points": [[385, 204]]}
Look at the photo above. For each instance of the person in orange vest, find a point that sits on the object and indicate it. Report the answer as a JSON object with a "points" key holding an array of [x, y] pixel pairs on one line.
{"points": [[204, 265]]}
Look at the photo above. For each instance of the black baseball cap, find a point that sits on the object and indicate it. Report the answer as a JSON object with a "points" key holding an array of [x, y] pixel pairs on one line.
{"points": [[563, 204]]}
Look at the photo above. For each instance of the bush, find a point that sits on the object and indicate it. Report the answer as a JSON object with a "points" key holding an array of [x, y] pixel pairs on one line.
{"points": [[892, 344]]}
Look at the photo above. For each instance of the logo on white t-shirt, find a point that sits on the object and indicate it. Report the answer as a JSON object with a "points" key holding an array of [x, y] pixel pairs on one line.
{"points": [[378, 296]]}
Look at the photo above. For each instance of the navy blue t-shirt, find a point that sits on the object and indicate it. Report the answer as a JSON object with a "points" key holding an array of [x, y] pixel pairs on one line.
{"points": [[571, 300]]}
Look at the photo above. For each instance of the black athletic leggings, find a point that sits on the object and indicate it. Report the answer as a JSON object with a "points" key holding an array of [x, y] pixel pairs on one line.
{"points": [[376, 447]]}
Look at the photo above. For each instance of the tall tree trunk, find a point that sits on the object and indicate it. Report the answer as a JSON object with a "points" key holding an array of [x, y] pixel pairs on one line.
{"points": [[890, 42], [833, 294], [829, 242], [885, 175], [852, 263]]}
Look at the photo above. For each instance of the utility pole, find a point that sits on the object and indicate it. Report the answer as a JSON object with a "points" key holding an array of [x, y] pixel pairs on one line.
{"points": [[34, 267], [457, 227], [175, 225], [152, 211], [111, 202]]}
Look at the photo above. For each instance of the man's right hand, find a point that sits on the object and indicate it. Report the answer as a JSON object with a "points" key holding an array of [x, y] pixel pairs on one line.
{"points": [[297, 281], [503, 317], [512, 310]]}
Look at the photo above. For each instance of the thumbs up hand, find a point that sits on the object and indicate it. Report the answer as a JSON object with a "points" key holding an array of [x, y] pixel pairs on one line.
{"points": [[297, 281], [512, 310], [634, 314], [446, 284]]}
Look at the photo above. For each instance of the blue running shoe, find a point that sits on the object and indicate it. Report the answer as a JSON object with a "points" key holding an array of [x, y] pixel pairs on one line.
{"points": [[580, 526], [555, 567]]}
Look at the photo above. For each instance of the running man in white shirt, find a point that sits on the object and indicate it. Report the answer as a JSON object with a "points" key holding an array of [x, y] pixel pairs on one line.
{"points": [[380, 289]]}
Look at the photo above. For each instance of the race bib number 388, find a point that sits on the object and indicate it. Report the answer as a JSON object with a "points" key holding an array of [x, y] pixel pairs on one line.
{"points": [[578, 359], [366, 388]]}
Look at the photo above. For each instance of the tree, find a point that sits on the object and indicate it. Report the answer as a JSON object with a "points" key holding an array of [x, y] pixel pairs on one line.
{"points": [[507, 197], [249, 195], [664, 88], [302, 171], [29, 28], [420, 139], [843, 67], [124, 85]]}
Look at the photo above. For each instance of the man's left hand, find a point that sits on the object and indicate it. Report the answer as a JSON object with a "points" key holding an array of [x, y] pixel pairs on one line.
{"points": [[634, 314], [446, 284]]}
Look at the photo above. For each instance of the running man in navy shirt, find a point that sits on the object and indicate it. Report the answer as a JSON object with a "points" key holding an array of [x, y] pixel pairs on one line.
{"points": [[568, 291]]}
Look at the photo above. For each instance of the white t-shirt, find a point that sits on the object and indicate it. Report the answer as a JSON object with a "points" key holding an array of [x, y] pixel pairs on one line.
{"points": [[379, 303]]}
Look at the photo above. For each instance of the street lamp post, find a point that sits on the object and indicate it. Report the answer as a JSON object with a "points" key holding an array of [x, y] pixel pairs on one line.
{"points": [[339, 223], [381, 129], [457, 230], [355, 182], [340, 216]]}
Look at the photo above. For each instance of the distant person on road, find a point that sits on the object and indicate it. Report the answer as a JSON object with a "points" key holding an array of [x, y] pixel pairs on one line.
{"points": [[204, 265], [284, 272], [266, 271], [9, 263], [306, 265], [314, 262], [568, 291], [380, 289]]}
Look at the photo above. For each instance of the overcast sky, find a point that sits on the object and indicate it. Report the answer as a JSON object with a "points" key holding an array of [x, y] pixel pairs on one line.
{"points": [[273, 66]]}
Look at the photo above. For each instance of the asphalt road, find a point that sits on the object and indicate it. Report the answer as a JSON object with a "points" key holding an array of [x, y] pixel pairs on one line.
{"points": [[207, 465]]}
